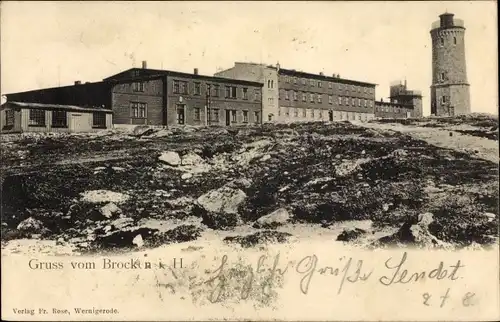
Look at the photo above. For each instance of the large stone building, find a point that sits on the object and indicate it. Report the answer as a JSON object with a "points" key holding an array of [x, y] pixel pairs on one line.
{"points": [[142, 96], [450, 88], [291, 96]]}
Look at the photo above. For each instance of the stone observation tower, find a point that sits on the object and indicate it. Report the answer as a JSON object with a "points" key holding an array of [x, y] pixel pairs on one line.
{"points": [[450, 89]]}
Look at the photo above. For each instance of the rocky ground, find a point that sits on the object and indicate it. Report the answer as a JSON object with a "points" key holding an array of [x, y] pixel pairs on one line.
{"points": [[429, 182]]}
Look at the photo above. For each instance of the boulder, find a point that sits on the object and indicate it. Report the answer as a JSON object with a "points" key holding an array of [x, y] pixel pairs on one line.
{"points": [[274, 219], [414, 233], [489, 216], [191, 159], [138, 241], [350, 234], [98, 196], [186, 176], [223, 200], [110, 210], [171, 158], [31, 226]]}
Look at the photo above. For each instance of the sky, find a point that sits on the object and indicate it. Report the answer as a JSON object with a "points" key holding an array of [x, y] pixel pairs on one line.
{"points": [[47, 44]]}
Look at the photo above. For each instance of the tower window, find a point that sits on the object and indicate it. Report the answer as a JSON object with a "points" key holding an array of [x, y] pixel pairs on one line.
{"points": [[442, 76], [454, 40], [442, 41]]}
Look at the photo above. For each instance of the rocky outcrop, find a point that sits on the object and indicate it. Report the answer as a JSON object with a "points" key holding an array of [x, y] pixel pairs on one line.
{"points": [[219, 208]]}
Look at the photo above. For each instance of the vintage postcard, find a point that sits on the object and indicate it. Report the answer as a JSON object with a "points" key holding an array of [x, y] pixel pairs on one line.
{"points": [[257, 161]]}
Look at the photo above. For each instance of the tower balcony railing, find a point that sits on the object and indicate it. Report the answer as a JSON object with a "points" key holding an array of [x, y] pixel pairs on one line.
{"points": [[456, 23]]}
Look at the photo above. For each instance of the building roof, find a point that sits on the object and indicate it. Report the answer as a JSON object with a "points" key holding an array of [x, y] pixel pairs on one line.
{"points": [[293, 72], [154, 73], [39, 106]]}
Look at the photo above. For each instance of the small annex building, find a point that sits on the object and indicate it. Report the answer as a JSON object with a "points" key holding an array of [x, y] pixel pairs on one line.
{"points": [[18, 117]]}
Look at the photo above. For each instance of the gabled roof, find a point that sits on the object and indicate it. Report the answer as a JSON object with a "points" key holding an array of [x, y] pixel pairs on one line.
{"points": [[40, 106]]}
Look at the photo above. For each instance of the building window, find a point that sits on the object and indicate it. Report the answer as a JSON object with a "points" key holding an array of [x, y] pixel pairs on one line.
{"points": [[319, 84], [296, 112], [442, 76], [303, 81], [319, 98], [138, 110], [311, 82], [176, 87], [256, 117], [37, 118], [359, 102], [359, 89], [233, 116], [312, 112], [9, 118], [216, 90], [196, 116], [443, 99], [340, 100], [245, 93], [197, 89], [215, 115], [304, 112], [330, 85], [346, 100], [287, 113], [311, 97], [295, 94], [442, 41], [304, 97], [339, 86], [330, 99], [287, 79], [99, 120], [295, 80], [353, 101], [454, 40], [257, 95], [320, 114], [138, 86], [59, 119], [366, 103], [231, 92], [286, 95], [245, 116]]}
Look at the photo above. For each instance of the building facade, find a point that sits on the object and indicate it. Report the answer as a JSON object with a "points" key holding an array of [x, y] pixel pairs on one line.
{"points": [[160, 97], [267, 75], [450, 89], [399, 93], [142, 96], [293, 96], [393, 110], [16, 117]]}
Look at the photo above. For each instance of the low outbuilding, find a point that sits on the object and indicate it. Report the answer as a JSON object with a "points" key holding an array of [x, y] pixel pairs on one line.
{"points": [[18, 117]]}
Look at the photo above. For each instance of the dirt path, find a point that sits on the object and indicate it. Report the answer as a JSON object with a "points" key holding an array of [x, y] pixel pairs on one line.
{"points": [[480, 147]]}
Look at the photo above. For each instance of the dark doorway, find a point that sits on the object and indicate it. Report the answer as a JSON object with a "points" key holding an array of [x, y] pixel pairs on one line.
{"points": [[330, 115], [180, 114], [228, 117]]}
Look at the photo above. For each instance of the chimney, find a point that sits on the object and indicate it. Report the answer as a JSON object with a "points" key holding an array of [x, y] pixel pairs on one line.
{"points": [[321, 74], [195, 71], [78, 82], [144, 64]]}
